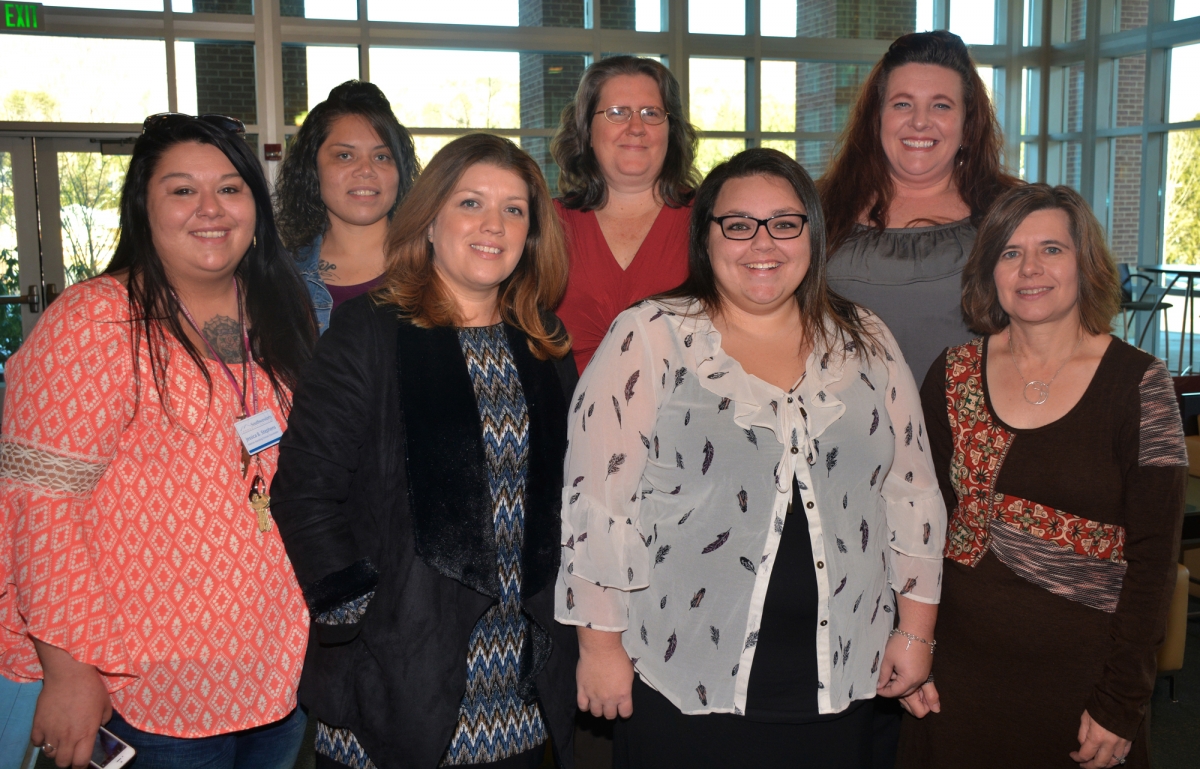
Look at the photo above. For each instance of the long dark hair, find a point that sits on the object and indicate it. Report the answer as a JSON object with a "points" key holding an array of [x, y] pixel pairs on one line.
{"points": [[282, 327], [580, 180], [302, 215], [527, 295], [858, 178], [818, 303]]}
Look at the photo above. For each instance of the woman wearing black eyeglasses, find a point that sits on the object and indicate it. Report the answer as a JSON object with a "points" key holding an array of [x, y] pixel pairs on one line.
{"points": [[150, 588], [748, 492], [624, 150]]}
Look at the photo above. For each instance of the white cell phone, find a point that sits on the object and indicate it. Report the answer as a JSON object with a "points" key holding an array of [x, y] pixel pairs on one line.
{"points": [[110, 752]]}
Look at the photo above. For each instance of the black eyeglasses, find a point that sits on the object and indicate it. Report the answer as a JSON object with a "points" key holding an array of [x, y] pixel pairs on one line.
{"points": [[619, 115], [170, 119], [782, 227]]}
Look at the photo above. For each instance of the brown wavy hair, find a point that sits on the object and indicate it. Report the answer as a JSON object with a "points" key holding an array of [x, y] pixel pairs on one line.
{"points": [[526, 296], [859, 179], [579, 179], [818, 303], [1099, 286]]}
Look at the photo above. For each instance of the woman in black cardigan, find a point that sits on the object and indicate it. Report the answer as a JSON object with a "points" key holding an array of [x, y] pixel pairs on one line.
{"points": [[420, 482]]}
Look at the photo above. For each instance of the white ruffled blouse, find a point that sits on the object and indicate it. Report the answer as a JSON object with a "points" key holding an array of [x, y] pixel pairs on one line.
{"points": [[678, 478]]}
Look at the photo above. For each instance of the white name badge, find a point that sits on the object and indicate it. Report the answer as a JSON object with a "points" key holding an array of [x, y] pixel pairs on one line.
{"points": [[258, 432]]}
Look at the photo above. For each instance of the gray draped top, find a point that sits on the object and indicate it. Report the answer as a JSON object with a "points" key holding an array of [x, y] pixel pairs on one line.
{"points": [[912, 279]]}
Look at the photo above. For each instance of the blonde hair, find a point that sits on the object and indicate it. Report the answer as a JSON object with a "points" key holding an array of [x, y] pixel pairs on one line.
{"points": [[527, 296]]}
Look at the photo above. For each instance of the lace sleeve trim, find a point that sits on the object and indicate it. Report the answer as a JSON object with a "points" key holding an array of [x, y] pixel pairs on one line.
{"points": [[49, 472]]}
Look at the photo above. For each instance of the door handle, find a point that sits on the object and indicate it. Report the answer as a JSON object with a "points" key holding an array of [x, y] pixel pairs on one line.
{"points": [[33, 299]]}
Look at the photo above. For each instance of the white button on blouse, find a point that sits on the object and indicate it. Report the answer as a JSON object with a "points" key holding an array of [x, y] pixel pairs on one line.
{"points": [[678, 478]]}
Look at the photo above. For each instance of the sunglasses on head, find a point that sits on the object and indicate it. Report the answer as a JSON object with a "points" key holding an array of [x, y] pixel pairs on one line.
{"points": [[172, 119]]}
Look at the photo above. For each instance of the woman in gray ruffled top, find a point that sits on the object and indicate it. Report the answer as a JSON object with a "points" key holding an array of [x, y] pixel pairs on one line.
{"points": [[917, 169]]}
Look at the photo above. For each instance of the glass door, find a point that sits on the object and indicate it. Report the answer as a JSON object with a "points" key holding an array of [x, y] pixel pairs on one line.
{"points": [[21, 289]]}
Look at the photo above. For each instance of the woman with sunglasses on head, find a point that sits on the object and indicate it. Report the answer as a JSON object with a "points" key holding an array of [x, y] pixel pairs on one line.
{"points": [[149, 584], [748, 492], [343, 179], [624, 150]]}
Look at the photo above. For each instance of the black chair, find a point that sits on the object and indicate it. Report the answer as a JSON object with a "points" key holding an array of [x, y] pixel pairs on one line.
{"points": [[1146, 301]]}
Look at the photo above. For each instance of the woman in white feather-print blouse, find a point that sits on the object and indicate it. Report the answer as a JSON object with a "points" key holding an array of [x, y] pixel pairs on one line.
{"points": [[748, 489]]}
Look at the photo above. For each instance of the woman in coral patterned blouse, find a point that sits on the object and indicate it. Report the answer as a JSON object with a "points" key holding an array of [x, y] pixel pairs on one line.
{"points": [[1060, 450], [146, 584]]}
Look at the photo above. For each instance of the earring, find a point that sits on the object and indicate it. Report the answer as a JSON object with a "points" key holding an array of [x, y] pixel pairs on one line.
{"points": [[254, 242]]}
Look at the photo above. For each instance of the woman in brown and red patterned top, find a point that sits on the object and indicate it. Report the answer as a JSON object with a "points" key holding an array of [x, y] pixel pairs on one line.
{"points": [[1060, 452]]}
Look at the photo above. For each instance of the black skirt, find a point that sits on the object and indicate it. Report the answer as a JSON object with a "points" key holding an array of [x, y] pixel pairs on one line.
{"points": [[659, 736]]}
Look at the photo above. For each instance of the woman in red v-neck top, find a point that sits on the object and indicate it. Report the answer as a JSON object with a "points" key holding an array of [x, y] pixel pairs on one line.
{"points": [[598, 289], [625, 153]]}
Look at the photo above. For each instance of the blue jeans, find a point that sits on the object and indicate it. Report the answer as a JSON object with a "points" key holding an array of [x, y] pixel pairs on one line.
{"points": [[17, 703], [273, 746]]}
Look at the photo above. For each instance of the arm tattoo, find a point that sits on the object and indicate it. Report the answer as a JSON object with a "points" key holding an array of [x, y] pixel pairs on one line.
{"points": [[225, 335], [325, 268]]}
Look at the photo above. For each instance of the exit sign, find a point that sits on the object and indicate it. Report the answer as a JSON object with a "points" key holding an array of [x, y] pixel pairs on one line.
{"points": [[22, 16]]}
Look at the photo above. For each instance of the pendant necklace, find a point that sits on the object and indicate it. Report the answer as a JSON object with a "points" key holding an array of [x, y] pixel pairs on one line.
{"points": [[1040, 389], [260, 500]]}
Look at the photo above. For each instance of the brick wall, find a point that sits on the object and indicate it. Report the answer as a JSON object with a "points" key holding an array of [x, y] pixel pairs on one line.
{"points": [[225, 80], [295, 82], [618, 14], [825, 92], [1125, 205]]}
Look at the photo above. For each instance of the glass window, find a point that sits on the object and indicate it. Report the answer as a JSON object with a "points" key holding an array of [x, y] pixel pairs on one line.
{"points": [[242, 7], [1070, 19], [717, 17], [89, 189], [714, 151], [1182, 231], [925, 22], [640, 15], [1032, 28], [1129, 87], [310, 72], [815, 156], [1186, 9], [428, 146], [1131, 14], [777, 18], [974, 21], [1031, 100], [56, 78], [547, 84], [455, 89], [215, 76], [1067, 111], [115, 5], [1029, 170], [855, 19], [1064, 163], [785, 146], [10, 278], [825, 93], [1125, 197], [320, 9], [777, 112], [538, 148], [718, 94], [496, 13], [1184, 99]]}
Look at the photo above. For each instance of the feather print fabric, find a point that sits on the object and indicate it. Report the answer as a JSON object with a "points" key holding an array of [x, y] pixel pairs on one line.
{"points": [[694, 475]]}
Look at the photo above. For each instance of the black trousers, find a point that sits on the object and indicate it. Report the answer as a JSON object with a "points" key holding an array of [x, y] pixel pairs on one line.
{"points": [[659, 736]]}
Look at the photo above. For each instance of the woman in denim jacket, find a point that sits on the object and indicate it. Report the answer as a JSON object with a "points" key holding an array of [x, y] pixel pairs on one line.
{"points": [[351, 165]]}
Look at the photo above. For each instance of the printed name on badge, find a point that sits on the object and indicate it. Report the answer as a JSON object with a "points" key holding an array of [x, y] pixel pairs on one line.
{"points": [[259, 432]]}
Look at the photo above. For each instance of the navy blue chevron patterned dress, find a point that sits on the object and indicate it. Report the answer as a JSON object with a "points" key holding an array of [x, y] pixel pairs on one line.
{"points": [[493, 722]]}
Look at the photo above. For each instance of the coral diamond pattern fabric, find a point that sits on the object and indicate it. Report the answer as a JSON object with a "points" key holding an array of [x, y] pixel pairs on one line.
{"points": [[980, 445], [128, 537]]}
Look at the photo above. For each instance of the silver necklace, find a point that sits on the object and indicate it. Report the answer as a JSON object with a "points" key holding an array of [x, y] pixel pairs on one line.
{"points": [[1041, 390]]}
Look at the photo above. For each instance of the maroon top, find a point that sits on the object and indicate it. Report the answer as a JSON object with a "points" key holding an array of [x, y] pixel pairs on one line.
{"points": [[598, 289], [341, 294]]}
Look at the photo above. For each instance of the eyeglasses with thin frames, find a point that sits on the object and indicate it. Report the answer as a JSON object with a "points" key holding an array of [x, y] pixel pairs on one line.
{"points": [[620, 115], [781, 227], [168, 119]]}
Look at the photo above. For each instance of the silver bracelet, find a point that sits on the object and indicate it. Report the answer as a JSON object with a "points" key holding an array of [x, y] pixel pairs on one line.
{"points": [[911, 638]]}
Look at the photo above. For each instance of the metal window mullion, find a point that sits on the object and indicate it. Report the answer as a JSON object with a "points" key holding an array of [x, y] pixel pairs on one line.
{"points": [[268, 76], [678, 53], [364, 42], [1088, 180], [753, 81], [1151, 208], [169, 42], [1013, 97]]}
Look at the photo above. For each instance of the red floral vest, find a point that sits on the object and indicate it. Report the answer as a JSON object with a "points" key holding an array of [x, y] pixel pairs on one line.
{"points": [[980, 446]]}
